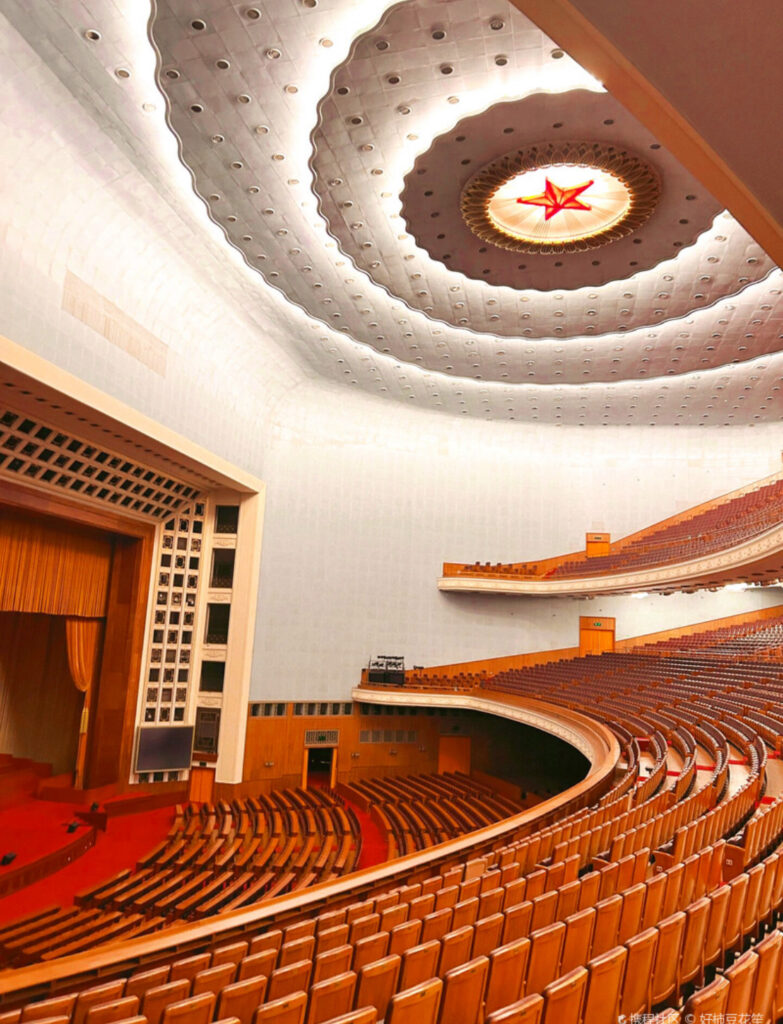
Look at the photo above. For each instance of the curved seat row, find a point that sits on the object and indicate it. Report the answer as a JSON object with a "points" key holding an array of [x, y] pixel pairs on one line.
{"points": [[626, 906], [216, 857], [419, 811]]}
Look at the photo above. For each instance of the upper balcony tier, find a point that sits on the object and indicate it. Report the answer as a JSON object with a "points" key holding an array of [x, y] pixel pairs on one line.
{"points": [[736, 538]]}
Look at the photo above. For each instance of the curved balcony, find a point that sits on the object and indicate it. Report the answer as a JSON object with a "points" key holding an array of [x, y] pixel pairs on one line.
{"points": [[737, 538]]}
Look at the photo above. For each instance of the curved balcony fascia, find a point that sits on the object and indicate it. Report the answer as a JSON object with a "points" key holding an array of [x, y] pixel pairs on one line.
{"points": [[595, 741]]}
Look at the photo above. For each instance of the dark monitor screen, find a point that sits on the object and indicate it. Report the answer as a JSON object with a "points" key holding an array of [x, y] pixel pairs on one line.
{"points": [[164, 748]]}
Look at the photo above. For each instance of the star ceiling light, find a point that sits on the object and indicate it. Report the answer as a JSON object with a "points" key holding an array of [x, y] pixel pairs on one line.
{"points": [[559, 204], [560, 199]]}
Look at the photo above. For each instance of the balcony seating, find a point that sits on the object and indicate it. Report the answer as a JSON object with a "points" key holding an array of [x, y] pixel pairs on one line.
{"points": [[724, 524]]}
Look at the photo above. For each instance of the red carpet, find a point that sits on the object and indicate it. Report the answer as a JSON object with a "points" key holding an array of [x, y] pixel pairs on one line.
{"points": [[35, 828], [375, 849], [126, 839]]}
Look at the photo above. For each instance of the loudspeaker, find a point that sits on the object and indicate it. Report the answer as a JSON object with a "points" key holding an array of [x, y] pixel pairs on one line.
{"points": [[7, 858]]}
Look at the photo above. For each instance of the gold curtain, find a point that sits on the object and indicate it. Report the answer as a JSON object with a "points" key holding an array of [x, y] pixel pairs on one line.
{"points": [[84, 640], [51, 567]]}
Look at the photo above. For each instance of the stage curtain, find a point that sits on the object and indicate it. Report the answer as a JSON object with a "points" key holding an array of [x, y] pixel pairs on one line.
{"points": [[84, 639], [39, 705], [52, 568]]}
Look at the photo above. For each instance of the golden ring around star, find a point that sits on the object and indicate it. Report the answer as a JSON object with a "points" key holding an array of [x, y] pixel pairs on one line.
{"points": [[560, 199]]}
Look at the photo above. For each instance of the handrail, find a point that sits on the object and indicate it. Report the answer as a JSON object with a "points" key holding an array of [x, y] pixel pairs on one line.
{"points": [[26, 874], [38, 980]]}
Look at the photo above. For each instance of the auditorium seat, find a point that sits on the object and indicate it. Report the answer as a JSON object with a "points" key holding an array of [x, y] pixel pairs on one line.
{"points": [[115, 1010], [525, 1011], [331, 998], [463, 992], [378, 983], [197, 1010], [158, 998], [604, 985], [417, 1005], [709, 1003], [741, 977], [507, 972], [564, 998], [286, 1010], [241, 999]]}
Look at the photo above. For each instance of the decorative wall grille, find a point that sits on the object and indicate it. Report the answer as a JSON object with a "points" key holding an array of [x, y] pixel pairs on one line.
{"points": [[170, 669], [322, 737], [34, 451]]}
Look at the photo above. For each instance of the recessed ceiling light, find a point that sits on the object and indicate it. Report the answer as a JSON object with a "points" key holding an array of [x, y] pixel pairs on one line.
{"points": [[122, 73], [252, 14], [272, 53], [92, 34], [198, 24]]}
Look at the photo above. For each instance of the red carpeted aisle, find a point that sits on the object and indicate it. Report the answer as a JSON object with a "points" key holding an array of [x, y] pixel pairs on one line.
{"points": [[375, 849], [125, 840]]}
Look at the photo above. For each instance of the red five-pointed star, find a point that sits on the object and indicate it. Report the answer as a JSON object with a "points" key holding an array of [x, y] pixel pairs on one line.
{"points": [[554, 199]]}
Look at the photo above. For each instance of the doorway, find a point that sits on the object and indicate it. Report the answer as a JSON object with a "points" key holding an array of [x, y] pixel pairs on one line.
{"points": [[320, 767]]}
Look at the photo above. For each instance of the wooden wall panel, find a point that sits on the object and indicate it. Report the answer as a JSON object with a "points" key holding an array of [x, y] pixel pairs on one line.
{"points": [[595, 635], [535, 761], [112, 726], [201, 785], [52, 567], [40, 706], [280, 740], [454, 754], [597, 544]]}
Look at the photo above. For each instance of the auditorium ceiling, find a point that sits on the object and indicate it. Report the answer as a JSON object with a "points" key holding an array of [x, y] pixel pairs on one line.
{"points": [[466, 218]]}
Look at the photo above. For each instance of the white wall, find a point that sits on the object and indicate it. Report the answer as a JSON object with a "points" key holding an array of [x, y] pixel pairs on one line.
{"points": [[365, 501]]}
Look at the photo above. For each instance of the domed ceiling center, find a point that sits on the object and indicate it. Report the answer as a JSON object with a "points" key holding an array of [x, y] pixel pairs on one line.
{"points": [[560, 198]]}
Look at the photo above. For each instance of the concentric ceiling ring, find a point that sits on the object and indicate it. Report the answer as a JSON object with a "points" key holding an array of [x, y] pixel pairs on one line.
{"points": [[560, 197]]}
